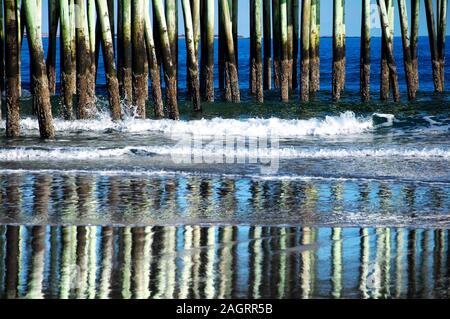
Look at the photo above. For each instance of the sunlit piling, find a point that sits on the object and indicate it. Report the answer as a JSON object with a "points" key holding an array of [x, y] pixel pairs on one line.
{"points": [[432, 38], [285, 70], [389, 50], [86, 101], [191, 60], [170, 74], [384, 68], [339, 59], [154, 69], [314, 44], [365, 52], [232, 92], [67, 66], [256, 61], [109, 60], [53, 19], [267, 33], [276, 35], [12, 69], [140, 67], [305, 51], [441, 35], [407, 60]]}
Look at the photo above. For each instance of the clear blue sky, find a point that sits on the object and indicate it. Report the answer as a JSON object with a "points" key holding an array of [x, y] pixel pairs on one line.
{"points": [[352, 11]]}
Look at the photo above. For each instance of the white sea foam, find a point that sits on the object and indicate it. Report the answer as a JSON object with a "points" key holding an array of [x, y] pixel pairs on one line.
{"points": [[346, 123], [91, 153]]}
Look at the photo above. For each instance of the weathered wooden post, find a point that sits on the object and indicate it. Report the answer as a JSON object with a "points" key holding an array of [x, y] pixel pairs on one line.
{"points": [[12, 69], [267, 46], [252, 69], [53, 16], [415, 8], [234, 21], [155, 75], [314, 57], [73, 42], [295, 42], [364, 69], [432, 38], [169, 69], [407, 61], [41, 92], [384, 72], [339, 60], [290, 40], [67, 66], [126, 71], [258, 51], [276, 34], [171, 7], [284, 81], [191, 60], [305, 44], [108, 58], [388, 41], [232, 92], [441, 35], [92, 21], [86, 106], [209, 51], [2, 51], [140, 67]]}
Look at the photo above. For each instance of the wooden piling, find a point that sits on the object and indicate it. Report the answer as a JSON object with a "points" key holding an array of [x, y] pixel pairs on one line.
{"points": [[12, 69], [41, 91], [290, 41], [171, 12], [295, 42], [209, 51], [169, 68], [67, 66], [140, 67], [267, 81], [384, 68], [407, 61], [191, 60], [53, 17], [92, 22], [414, 40], [339, 59], [258, 51], [86, 104], [73, 42], [232, 92], [441, 35], [305, 50], [108, 59], [284, 80], [2, 52], [276, 34], [364, 69], [234, 21], [314, 57], [152, 58], [252, 68], [432, 38], [126, 71], [388, 42]]}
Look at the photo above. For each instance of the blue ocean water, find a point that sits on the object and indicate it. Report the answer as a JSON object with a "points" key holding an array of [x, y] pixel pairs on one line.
{"points": [[352, 69]]}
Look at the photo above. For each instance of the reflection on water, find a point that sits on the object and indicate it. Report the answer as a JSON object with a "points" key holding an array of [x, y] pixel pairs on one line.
{"points": [[102, 199], [222, 262]]}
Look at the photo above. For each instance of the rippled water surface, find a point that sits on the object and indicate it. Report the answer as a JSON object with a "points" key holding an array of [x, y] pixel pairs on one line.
{"points": [[350, 199]]}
